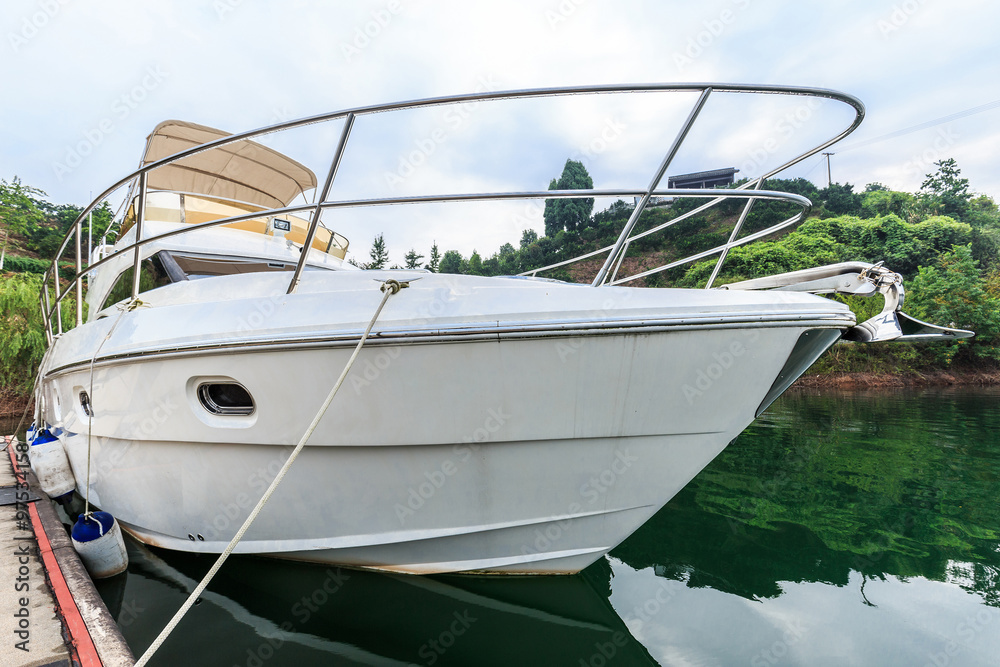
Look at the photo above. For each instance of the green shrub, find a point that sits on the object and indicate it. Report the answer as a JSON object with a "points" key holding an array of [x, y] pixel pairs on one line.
{"points": [[22, 335]]}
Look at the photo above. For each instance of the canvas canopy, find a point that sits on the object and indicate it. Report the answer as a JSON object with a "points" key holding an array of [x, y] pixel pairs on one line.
{"points": [[245, 170]]}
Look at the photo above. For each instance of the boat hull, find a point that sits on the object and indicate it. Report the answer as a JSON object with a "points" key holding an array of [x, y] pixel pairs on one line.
{"points": [[520, 454]]}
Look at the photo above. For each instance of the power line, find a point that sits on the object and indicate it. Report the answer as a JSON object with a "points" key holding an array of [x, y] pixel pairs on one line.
{"points": [[813, 168], [923, 126]]}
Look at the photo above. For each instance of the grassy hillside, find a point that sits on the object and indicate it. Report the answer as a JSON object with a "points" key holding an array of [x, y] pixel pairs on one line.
{"points": [[943, 240]]}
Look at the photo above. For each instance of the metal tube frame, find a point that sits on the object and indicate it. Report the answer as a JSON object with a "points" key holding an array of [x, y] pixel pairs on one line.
{"points": [[617, 251], [137, 179], [79, 273], [732, 237], [140, 214], [59, 297], [44, 298], [345, 134]]}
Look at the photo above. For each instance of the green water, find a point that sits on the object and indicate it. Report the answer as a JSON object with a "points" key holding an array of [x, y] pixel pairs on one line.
{"points": [[840, 529]]}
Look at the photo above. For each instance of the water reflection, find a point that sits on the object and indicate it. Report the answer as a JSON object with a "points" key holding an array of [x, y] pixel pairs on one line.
{"points": [[839, 529], [901, 484], [273, 612]]}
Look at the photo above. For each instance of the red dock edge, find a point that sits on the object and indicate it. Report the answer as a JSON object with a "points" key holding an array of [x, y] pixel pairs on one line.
{"points": [[81, 644]]}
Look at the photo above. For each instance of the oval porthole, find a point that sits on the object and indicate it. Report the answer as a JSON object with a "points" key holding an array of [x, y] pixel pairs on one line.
{"points": [[226, 398]]}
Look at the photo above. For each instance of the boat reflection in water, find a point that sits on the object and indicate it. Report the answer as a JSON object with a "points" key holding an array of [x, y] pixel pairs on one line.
{"points": [[869, 520], [261, 611]]}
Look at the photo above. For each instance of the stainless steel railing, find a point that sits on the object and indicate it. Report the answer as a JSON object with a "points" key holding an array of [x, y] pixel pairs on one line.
{"points": [[607, 274]]}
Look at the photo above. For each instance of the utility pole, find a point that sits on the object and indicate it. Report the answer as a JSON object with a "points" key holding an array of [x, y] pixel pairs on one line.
{"points": [[90, 234], [829, 179]]}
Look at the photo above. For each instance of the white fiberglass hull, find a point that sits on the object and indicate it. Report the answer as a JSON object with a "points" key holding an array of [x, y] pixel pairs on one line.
{"points": [[467, 437]]}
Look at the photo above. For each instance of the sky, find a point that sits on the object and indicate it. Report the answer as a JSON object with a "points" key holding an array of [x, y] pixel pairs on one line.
{"points": [[85, 83]]}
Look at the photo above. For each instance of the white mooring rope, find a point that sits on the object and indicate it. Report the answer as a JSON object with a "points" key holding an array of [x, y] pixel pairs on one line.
{"points": [[127, 307], [389, 287]]}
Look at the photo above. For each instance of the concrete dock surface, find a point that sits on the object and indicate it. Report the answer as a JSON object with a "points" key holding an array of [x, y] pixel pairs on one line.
{"points": [[50, 613]]}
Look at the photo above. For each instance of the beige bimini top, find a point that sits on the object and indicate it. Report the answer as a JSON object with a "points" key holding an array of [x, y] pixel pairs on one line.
{"points": [[243, 171]]}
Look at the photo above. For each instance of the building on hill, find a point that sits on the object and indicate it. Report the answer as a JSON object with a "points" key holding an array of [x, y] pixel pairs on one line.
{"points": [[699, 180], [717, 178]]}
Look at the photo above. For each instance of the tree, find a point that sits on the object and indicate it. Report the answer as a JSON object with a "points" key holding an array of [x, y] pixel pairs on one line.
{"points": [[19, 211], [882, 201], [945, 191], [379, 255], [569, 214], [953, 294], [475, 264], [619, 210], [22, 334], [435, 259], [452, 262], [508, 261], [528, 237], [413, 259], [66, 214], [839, 199]]}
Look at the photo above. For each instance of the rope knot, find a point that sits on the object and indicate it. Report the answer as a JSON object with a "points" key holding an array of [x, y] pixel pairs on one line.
{"points": [[393, 286]]}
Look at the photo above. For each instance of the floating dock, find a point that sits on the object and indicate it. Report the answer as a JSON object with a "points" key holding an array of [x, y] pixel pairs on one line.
{"points": [[50, 613]]}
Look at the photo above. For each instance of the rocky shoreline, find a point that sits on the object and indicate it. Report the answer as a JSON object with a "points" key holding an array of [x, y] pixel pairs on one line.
{"points": [[939, 378]]}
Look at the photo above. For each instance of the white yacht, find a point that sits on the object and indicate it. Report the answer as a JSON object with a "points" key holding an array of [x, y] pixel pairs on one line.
{"points": [[490, 424]]}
